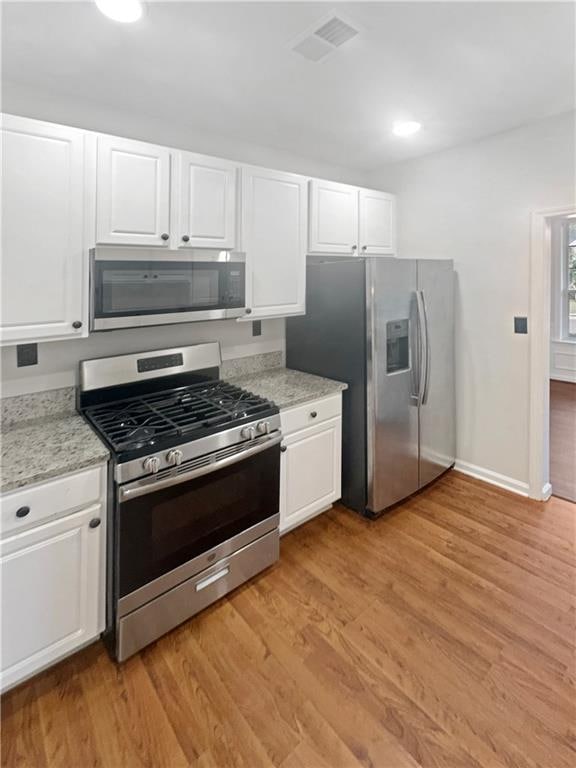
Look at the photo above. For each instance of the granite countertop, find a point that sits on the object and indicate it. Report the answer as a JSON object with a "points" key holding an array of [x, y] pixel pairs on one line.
{"points": [[288, 388], [43, 449], [43, 437]]}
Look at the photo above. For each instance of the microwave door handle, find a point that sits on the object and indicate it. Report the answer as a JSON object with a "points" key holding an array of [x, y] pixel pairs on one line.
{"points": [[147, 485]]}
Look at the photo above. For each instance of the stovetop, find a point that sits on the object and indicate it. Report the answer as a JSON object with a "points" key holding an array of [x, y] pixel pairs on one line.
{"points": [[135, 426]]}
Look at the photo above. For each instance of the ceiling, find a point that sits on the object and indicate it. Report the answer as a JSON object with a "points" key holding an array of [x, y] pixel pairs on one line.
{"points": [[463, 69]]}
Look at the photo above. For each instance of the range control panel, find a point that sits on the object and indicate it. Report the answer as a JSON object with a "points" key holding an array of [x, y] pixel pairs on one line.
{"points": [[157, 363]]}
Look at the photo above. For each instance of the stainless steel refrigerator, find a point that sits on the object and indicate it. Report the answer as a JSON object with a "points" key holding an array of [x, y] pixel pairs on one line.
{"points": [[386, 327]]}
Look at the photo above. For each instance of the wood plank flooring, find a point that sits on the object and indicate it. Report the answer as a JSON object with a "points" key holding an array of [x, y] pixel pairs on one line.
{"points": [[563, 439], [439, 636]]}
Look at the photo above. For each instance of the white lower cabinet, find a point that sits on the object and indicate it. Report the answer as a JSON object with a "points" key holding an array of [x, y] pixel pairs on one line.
{"points": [[53, 589], [310, 474]]}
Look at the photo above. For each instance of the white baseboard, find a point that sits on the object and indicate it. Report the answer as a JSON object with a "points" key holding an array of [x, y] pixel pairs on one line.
{"points": [[494, 478], [546, 491], [567, 376]]}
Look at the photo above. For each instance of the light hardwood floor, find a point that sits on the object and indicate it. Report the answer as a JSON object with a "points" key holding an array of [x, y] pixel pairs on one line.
{"points": [[441, 635], [563, 439]]}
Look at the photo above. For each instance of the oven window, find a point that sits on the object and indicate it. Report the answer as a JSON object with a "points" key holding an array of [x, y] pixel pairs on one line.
{"points": [[164, 529], [142, 288]]}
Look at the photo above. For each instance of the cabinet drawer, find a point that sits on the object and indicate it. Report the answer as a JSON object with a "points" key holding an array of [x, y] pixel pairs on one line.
{"points": [[48, 500], [311, 413]]}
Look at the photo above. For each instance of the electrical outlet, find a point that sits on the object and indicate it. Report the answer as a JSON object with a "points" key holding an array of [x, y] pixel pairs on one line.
{"points": [[26, 354]]}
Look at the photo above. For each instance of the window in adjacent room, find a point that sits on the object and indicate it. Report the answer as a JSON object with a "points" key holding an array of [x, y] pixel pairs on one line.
{"points": [[569, 279]]}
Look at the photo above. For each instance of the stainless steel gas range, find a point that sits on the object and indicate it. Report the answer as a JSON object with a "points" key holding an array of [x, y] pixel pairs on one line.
{"points": [[194, 486]]}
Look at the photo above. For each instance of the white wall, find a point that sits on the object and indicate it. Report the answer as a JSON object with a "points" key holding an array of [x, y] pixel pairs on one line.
{"points": [[473, 204], [58, 360]]}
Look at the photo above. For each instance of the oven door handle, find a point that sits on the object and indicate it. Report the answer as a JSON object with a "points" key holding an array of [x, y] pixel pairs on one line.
{"points": [[142, 487]]}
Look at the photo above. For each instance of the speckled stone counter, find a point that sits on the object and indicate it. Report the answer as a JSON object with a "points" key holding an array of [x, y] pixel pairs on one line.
{"points": [[41, 449], [288, 388]]}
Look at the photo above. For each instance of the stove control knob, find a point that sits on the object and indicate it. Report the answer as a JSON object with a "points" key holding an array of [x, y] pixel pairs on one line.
{"points": [[152, 464], [175, 457], [248, 433], [263, 427]]}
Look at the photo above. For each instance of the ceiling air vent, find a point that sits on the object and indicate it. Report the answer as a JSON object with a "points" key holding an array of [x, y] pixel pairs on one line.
{"points": [[324, 37], [336, 32]]}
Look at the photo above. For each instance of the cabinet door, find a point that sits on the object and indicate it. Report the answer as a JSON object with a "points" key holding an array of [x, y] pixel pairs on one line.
{"points": [[132, 193], [52, 587], [274, 238], [310, 472], [206, 202], [377, 223], [333, 218], [42, 293]]}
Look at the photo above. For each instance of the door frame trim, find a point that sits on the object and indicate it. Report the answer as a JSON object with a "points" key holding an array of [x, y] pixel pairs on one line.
{"points": [[540, 338]]}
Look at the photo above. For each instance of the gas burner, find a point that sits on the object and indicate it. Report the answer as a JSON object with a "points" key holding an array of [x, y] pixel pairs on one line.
{"points": [[141, 434], [191, 412]]}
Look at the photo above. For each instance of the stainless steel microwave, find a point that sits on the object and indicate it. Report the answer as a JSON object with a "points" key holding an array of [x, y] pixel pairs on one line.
{"points": [[130, 288]]}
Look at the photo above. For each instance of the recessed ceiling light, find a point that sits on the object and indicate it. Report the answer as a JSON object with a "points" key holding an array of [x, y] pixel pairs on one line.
{"points": [[125, 11], [405, 128]]}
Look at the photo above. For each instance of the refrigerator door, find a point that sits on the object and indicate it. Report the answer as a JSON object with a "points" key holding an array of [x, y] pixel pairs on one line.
{"points": [[437, 408], [392, 381]]}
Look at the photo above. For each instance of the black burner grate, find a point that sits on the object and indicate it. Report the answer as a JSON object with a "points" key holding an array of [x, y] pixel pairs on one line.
{"points": [[134, 422]]}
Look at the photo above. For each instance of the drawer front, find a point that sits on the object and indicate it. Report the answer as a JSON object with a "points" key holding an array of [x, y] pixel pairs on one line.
{"points": [[143, 626], [38, 503], [314, 412]]}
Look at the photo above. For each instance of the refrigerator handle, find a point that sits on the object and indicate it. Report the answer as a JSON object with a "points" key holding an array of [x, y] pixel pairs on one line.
{"points": [[424, 384], [415, 350]]}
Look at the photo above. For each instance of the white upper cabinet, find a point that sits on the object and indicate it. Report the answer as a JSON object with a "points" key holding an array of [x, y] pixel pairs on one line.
{"points": [[42, 277], [333, 218], [274, 239], [377, 223], [205, 199], [350, 221], [132, 193]]}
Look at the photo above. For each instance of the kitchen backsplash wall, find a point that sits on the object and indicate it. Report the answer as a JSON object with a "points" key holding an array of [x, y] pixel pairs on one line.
{"points": [[58, 361]]}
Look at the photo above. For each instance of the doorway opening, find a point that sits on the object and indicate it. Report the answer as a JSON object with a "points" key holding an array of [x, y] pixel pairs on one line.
{"points": [[552, 419], [563, 358]]}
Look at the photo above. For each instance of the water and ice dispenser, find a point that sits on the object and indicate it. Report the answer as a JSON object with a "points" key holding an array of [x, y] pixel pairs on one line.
{"points": [[397, 346]]}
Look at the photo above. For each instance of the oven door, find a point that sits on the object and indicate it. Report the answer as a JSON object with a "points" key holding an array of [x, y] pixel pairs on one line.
{"points": [[130, 292], [176, 524]]}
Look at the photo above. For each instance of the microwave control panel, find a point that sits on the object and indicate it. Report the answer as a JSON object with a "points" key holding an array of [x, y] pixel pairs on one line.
{"points": [[236, 286]]}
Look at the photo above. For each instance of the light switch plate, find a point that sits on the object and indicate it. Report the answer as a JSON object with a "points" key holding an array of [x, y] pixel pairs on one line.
{"points": [[520, 325]]}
